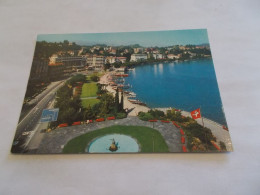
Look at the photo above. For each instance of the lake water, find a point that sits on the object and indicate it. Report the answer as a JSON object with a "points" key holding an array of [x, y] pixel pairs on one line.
{"points": [[125, 144], [183, 85]]}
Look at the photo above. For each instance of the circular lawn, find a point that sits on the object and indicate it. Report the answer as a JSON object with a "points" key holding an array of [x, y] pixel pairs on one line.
{"points": [[150, 140]]}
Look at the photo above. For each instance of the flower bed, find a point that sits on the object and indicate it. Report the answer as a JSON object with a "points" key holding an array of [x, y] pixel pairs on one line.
{"points": [[76, 123], [100, 119]]}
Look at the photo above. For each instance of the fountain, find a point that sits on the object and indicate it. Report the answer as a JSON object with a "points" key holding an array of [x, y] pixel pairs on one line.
{"points": [[103, 144], [114, 146]]}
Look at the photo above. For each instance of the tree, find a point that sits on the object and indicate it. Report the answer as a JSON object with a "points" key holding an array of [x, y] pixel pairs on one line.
{"points": [[96, 109], [77, 78], [117, 101], [107, 104], [88, 113], [94, 78], [66, 42], [117, 64], [122, 102], [67, 116], [128, 56], [107, 65]]}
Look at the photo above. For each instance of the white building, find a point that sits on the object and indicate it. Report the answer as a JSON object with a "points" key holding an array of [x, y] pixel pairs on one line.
{"points": [[138, 57], [97, 62], [112, 59], [172, 56], [157, 56], [138, 50], [121, 59], [53, 59], [72, 60]]}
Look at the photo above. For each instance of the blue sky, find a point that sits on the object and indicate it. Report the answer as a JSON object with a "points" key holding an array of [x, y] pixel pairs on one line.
{"points": [[146, 39]]}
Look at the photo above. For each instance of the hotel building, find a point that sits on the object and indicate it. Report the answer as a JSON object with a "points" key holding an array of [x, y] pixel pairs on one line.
{"points": [[62, 66], [96, 62], [138, 57]]}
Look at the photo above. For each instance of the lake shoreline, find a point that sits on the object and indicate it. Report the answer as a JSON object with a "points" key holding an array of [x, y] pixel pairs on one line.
{"points": [[185, 85]]}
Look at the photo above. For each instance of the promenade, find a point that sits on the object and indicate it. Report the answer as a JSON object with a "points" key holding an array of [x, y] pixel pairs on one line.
{"points": [[133, 108]]}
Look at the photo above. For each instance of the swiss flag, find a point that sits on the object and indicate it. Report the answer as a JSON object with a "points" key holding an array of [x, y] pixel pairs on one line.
{"points": [[195, 114]]}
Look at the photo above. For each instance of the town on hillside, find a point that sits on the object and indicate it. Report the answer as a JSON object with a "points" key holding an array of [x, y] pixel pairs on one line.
{"points": [[56, 61]]}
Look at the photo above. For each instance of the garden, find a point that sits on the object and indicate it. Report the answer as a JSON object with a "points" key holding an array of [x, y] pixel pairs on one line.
{"points": [[199, 138], [150, 140]]}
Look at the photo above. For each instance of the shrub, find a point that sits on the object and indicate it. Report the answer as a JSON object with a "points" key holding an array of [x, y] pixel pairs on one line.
{"points": [[145, 116], [203, 133], [121, 115], [157, 114], [176, 116], [94, 78]]}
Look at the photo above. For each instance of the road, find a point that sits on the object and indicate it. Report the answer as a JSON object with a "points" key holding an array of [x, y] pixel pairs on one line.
{"points": [[31, 104], [27, 125], [36, 135]]}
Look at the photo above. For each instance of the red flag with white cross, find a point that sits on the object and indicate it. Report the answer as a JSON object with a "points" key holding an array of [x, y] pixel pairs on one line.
{"points": [[195, 113]]}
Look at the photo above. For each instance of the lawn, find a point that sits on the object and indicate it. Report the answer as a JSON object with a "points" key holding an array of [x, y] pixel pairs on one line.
{"points": [[144, 135], [89, 90], [86, 102]]}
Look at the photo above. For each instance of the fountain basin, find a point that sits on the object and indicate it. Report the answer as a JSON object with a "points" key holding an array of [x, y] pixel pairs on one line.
{"points": [[125, 144]]}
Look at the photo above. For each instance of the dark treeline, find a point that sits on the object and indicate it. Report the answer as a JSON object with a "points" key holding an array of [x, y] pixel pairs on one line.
{"points": [[43, 49]]}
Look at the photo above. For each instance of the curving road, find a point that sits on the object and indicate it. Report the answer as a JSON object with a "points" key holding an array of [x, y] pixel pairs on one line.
{"points": [[27, 125]]}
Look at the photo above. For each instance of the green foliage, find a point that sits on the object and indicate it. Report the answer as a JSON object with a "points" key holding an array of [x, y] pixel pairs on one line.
{"points": [[101, 89], [145, 116], [128, 56], [107, 104], [77, 78], [107, 66], [117, 64], [157, 114], [69, 108], [88, 113], [94, 77], [67, 116], [117, 101], [96, 109], [151, 114], [121, 104], [121, 115], [176, 116], [198, 137], [44, 50], [185, 56], [63, 97], [203, 133]]}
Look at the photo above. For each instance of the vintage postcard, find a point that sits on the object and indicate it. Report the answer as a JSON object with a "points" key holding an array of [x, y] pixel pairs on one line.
{"points": [[129, 92]]}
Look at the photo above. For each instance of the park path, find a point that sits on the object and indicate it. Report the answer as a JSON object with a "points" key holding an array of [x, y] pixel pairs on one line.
{"points": [[87, 98], [54, 141]]}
